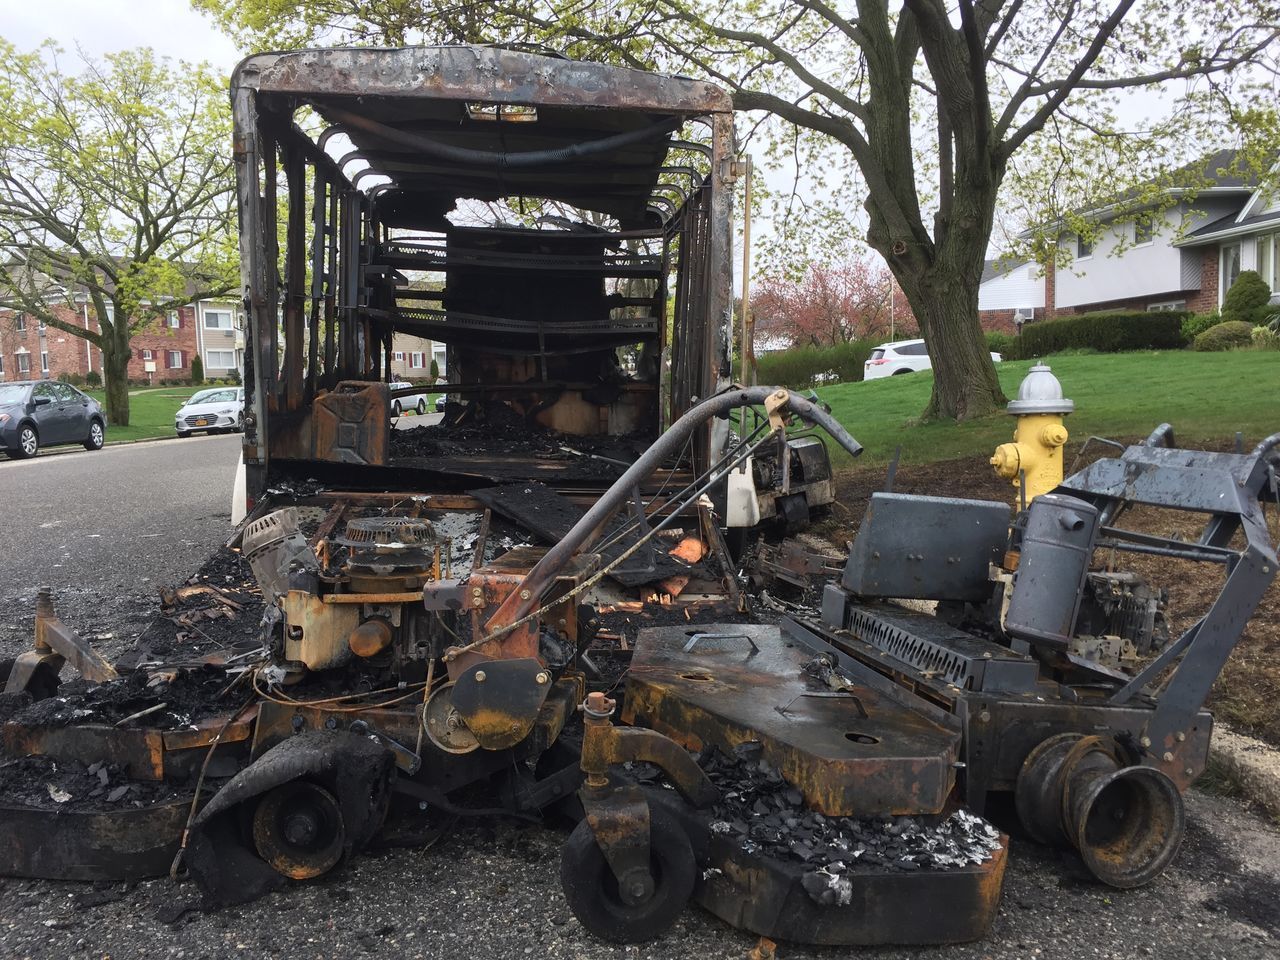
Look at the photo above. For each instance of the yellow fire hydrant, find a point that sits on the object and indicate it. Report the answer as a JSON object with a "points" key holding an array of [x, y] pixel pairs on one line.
{"points": [[1035, 456]]}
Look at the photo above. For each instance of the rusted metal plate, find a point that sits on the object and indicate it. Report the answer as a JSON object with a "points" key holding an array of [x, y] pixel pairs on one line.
{"points": [[766, 897], [139, 752], [60, 844], [856, 753], [467, 73]]}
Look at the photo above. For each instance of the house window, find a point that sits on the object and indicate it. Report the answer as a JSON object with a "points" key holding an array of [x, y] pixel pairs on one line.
{"points": [[1166, 305], [415, 361], [398, 356], [1143, 230], [175, 320], [40, 328], [438, 355], [175, 359], [1, 364], [44, 361], [20, 323], [220, 359], [1230, 268], [24, 363], [111, 312], [1269, 260], [1084, 247], [147, 355], [217, 320]]}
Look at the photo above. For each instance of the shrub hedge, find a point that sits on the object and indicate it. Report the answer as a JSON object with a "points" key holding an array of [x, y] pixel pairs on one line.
{"points": [[1106, 331], [1005, 344], [1226, 336], [809, 366], [1197, 323]]}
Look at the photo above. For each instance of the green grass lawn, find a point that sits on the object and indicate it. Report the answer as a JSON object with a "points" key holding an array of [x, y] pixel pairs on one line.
{"points": [[150, 412], [1206, 396]]}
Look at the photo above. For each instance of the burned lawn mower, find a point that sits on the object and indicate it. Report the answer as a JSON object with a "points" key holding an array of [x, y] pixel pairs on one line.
{"points": [[821, 780]]}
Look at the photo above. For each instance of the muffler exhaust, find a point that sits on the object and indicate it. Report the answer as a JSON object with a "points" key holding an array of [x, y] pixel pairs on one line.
{"points": [[1126, 822]]}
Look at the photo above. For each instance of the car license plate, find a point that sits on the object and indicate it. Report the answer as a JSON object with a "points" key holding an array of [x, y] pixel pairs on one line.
{"points": [[203, 422]]}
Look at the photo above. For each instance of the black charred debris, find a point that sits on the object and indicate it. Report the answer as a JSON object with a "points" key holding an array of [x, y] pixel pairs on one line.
{"points": [[766, 816], [187, 696], [495, 428], [41, 781]]}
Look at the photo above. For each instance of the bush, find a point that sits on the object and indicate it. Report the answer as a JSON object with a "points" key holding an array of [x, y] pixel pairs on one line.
{"points": [[197, 370], [1264, 338], [74, 379], [1005, 344], [93, 379], [1107, 332], [1226, 336], [1246, 301], [810, 366], [1198, 323], [234, 377]]}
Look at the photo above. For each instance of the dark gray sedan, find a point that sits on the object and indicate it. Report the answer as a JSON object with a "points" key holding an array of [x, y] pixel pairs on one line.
{"points": [[44, 413]]}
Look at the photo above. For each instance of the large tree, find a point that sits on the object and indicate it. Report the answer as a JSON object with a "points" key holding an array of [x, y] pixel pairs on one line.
{"points": [[116, 185], [930, 99]]}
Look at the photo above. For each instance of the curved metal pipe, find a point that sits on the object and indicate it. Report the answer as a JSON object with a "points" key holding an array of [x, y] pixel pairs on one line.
{"points": [[585, 531], [502, 160]]}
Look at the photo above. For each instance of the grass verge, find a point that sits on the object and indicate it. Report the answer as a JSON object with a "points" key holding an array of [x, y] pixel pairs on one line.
{"points": [[150, 413], [1206, 396]]}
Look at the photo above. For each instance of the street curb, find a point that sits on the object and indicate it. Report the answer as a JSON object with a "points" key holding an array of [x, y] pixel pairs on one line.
{"points": [[1253, 764]]}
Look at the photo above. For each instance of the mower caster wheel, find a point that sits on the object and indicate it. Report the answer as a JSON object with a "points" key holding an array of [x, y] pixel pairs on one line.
{"points": [[298, 830], [591, 889]]}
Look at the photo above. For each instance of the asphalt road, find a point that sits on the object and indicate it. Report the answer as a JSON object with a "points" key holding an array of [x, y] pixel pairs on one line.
{"points": [[85, 523], [105, 530]]}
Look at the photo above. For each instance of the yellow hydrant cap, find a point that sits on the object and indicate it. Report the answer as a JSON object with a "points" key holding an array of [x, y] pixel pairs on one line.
{"points": [[1040, 392]]}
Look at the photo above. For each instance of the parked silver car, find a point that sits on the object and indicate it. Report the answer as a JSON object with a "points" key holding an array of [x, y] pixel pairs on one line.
{"points": [[216, 410], [416, 402]]}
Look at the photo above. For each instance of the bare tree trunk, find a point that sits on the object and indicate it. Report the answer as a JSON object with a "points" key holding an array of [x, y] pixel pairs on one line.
{"points": [[965, 385], [115, 375]]}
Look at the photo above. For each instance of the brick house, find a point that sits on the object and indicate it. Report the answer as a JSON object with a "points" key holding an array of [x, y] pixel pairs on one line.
{"points": [[163, 350], [1184, 259], [1010, 294]]}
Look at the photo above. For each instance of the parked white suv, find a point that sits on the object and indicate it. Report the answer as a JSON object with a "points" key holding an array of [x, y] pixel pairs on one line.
{"points": [[901, 356]]}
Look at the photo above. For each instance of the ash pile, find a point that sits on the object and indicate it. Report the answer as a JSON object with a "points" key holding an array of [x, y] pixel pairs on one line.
{"points": [[42, 781], [766, 816], [483, 429]]}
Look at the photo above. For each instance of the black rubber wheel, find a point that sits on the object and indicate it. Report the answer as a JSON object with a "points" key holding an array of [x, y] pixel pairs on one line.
{"points": [[591, 889], [28, 443], [422, 406], [97, 436], [901, 373], [298, 830], [396, 409]]}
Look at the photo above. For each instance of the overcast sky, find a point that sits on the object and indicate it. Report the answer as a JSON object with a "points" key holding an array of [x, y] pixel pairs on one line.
{"points": [[104, 26]]}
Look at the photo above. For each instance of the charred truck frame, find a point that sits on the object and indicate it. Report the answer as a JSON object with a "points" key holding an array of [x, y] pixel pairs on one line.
{"points": [[420, 657]]}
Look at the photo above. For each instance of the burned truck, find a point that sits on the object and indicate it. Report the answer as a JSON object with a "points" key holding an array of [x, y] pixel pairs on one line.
{"points": [[530, 608], [563, 229]]}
